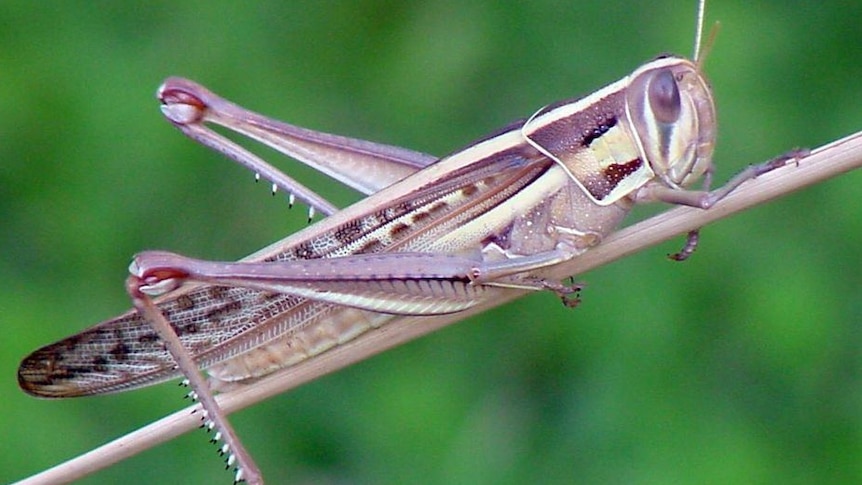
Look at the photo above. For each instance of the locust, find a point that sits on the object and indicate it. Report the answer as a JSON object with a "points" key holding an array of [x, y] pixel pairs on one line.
{"points": [[433, 236]]}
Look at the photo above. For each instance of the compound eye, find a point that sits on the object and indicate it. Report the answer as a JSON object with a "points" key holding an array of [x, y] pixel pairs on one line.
{"points": [[663, 96]]}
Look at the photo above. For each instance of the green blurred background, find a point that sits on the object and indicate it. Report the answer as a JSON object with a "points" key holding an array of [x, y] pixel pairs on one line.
{"points": [[742, 365]]}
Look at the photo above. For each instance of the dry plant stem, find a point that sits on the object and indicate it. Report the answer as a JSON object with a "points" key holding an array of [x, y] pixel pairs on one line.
{"points": [[825, 162]]}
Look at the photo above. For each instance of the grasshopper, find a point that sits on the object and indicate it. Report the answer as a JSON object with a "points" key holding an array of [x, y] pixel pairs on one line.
{"points": [[433, 236]]}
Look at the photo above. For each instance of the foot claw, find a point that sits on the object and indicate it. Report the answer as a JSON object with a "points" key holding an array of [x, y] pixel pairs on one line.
{"points": [[691, 241], [569, 293]]}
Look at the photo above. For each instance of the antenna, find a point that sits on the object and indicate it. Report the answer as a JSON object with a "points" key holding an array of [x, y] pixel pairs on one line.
{"points": [[698, 35]]}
